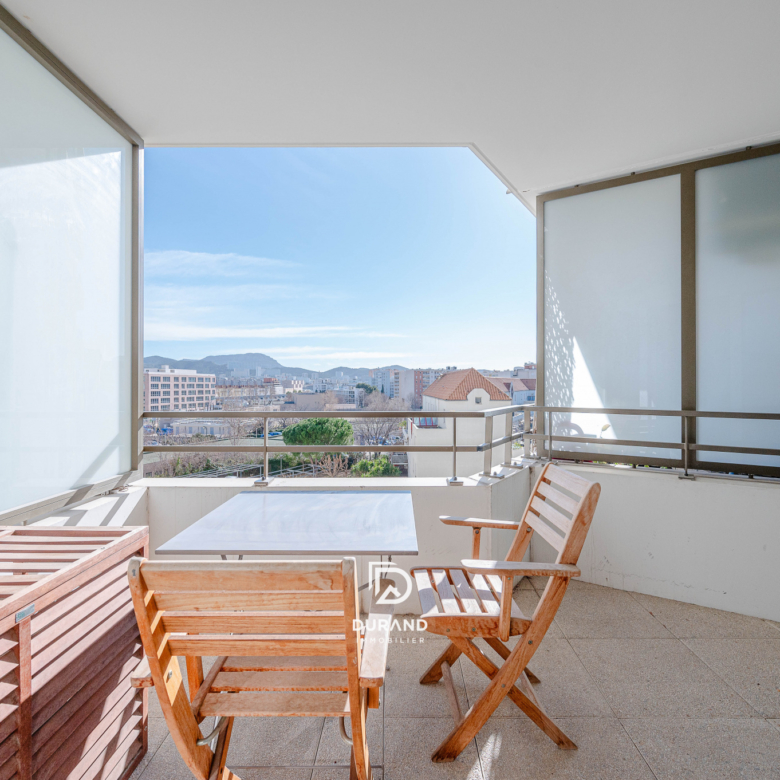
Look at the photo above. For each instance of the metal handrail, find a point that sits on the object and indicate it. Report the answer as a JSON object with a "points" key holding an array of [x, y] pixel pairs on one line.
{"points": [[685, 445], [486, 447]]}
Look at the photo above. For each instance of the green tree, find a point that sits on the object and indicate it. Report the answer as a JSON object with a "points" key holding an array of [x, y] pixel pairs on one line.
{"points": [[326, 431], [368, 388], [381, 467]]}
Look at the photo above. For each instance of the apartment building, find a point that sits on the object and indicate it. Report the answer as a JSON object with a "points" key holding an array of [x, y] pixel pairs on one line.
{"points": [[169, 389]]}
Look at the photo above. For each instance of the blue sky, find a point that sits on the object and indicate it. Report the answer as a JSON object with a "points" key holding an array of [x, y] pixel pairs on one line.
{"points": [[328, 257]]}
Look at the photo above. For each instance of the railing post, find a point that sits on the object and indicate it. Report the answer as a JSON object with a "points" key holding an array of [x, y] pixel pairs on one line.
{"points": [[526, 431], [453, 480], [265, 479], [686, 449], [509, 417], [487, 465]]}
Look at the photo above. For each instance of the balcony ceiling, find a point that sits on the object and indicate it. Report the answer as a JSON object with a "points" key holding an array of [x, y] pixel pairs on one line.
{"points": [[547, 93]]}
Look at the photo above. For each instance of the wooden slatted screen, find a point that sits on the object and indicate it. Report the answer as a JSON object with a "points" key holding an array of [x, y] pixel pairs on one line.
{"points": [[68, 643]]}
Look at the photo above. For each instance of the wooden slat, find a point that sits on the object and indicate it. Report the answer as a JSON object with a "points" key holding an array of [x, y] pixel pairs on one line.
{"points": [[112, 593], [10, 566], [251, 599], [278, 622], [141, 676], [256, 644], [60, 531], [98, 745], [24, 546], [42, 556], [467, 596], [85, 673], [567, 480], [280, 681], [198, 576], [66, 580], [81, 655], [204, 688], [497, 585], [564, 502], [274, 704], [551, 514], [81, 733], [425, 591], [544, 530], [277, 663], [114, 610], [448, 601], [480, 586]]}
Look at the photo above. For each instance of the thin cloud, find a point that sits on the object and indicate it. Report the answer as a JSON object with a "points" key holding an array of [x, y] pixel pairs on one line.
{"points": [[156, 330], [181, 263]]}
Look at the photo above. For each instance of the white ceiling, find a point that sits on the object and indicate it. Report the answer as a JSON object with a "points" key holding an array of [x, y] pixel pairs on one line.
{"points": [[549, 93]]}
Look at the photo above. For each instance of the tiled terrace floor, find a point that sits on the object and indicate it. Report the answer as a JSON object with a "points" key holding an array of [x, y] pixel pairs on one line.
{"points": [[647, 688]]}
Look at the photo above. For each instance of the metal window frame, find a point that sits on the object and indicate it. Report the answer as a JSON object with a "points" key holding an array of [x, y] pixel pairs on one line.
{"points": [[687, 174], [78, 495]]}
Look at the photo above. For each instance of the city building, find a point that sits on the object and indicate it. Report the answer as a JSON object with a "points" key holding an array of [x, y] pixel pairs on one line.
{"points": [[465, 390], [169, 389], [293, 385]]}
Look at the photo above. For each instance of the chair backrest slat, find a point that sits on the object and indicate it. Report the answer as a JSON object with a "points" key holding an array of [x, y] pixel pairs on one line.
{"points": [[548, 534], [200, 576], [551, 514], [560, 509]]}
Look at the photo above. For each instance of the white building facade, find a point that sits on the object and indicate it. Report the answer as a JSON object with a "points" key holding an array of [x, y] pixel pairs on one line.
{"points": [[169, 389], [458, 391]]}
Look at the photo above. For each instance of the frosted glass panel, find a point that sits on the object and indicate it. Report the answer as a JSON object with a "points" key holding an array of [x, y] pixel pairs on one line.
{"points": [[612, 313], [65, 206], [737, 304]]}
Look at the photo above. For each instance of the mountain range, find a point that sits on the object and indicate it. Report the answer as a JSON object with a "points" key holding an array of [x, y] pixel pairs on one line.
{"points": [[220, 364]]}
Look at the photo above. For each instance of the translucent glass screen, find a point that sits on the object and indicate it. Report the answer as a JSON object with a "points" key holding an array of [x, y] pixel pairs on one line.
{"points": [[738, 304], [612, 313], [65, 209]]}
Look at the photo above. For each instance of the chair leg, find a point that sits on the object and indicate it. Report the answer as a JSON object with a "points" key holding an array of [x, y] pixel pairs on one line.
{"points": [[218, 769], [353, 773], [433, 673], [504, 652], [501, 685]]}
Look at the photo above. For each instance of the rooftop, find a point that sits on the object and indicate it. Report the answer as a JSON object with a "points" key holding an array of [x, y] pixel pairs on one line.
{"points": [[649, 689], [456, 386]]}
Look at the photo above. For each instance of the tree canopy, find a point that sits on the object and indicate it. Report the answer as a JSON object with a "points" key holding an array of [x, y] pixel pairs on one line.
{"points": [[365, 386], [331, 431], [381, 467]]}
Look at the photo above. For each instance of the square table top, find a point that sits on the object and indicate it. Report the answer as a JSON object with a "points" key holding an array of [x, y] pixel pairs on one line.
{"points": [[304, 522]]}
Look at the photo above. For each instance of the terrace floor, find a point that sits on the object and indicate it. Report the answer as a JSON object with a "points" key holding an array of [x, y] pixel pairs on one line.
{"points": [[647, 688]]}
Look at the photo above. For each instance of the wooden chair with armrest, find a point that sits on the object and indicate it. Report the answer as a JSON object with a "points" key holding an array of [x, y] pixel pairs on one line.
{"points": [[475, 601], [285, 642]]}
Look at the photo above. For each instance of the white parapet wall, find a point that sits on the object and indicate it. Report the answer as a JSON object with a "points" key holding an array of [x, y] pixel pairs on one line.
{"points": [[708, 541]]}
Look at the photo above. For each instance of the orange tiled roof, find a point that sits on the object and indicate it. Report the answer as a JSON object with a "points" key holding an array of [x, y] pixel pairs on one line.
{"points": [[457, 385]]}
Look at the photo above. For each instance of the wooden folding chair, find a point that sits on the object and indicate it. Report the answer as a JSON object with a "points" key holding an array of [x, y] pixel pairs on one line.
{"points": [[286, 643], [476, 601]]}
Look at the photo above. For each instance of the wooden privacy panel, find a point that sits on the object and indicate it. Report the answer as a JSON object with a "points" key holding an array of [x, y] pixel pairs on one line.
{"points": [[68, 644]]}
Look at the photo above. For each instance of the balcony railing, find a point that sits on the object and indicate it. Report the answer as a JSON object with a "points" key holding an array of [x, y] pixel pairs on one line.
{"points": [[263, 417], [539, 428]]}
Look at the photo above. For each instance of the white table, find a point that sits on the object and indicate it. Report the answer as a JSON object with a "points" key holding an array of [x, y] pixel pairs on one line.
{"points": [[304, 522]]}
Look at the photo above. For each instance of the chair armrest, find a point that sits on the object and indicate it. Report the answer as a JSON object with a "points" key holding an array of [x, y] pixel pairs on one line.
{"points": [[376, 641], [521, 569], [141, 677], [478, 522]]}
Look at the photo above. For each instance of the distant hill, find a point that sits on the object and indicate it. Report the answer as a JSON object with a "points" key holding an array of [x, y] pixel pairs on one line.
{"points": [[204, 366], [221, 364]]}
